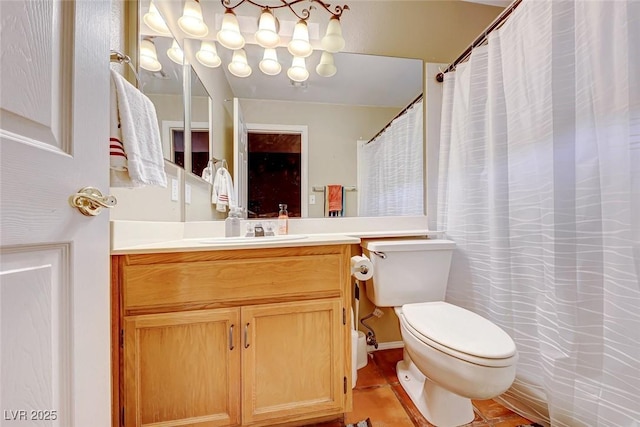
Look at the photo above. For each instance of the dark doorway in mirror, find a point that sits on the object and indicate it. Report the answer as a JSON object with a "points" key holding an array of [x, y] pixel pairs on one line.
{"points": [[199, 149], [177, 141], [275, 170]]}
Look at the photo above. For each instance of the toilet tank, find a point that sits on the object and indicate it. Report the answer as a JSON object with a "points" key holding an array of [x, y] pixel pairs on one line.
{"points": [[408, 270]]}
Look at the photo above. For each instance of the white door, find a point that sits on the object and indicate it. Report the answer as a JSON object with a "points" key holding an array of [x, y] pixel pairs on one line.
{"points": [[241, 157], [54, 265]]}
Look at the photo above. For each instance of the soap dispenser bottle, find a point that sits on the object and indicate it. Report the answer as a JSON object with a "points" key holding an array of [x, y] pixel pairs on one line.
{"points": [[232, 223], [283, 219]]}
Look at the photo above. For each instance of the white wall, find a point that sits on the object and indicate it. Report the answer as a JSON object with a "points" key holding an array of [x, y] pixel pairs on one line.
{"points": [[333, 133], [149, 203], [198, 206]]}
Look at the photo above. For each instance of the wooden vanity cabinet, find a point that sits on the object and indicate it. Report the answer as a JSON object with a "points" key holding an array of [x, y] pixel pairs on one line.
{"points": [[230, 338], [181, 367], [292, 363]]}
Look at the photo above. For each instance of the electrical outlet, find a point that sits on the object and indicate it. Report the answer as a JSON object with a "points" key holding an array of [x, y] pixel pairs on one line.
{"points": [[187, 194], [175, 192], [312, 199]]}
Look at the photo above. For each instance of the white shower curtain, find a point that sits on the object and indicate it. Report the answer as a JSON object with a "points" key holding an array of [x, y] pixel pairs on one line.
{"points": [[390, 178], [539, 185]]}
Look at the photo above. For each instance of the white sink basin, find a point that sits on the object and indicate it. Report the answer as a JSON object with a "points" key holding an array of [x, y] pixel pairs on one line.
{"points": [[223, 240]]}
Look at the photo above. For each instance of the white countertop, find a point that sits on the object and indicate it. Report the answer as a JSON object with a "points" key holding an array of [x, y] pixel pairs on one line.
{"points": [[138, 237], [220, 243]]}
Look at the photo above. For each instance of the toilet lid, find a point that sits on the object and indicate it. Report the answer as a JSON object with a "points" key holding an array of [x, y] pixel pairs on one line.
{"points": [[459, 329]]}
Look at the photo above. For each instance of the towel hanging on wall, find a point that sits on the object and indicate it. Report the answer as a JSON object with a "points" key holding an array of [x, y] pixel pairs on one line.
{"points": [[208, 173], [222, 192], [135, 146], [334, 200]]}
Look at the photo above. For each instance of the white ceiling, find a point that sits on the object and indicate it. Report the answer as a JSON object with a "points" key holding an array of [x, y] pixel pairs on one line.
{"points": [[500, 3], [360, 80]]}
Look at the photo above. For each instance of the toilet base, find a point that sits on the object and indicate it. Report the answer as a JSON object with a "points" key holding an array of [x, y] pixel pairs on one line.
{"points": [[439, 406]]}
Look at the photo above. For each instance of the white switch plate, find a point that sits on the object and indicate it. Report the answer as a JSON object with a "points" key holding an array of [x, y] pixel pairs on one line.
{"points": [[175, 192], [187, 194], [312, 199]]}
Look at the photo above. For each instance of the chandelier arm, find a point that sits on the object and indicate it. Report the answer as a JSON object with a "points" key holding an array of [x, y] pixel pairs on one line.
{"points": [[338, 9], [227, 4], [303, 15]]}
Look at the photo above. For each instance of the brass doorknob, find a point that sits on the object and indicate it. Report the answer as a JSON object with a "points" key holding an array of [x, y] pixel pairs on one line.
{"points": [[90, 201]]}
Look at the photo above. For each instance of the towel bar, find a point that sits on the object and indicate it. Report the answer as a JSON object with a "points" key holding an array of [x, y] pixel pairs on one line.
{"points": [[321, 189]]}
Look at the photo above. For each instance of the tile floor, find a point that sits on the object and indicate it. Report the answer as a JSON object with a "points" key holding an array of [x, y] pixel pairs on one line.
{"points": [[379, 396]]}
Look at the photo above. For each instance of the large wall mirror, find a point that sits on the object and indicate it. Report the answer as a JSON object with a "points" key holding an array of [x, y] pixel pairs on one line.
{"points": [[364, 95], [272, 104], [165, 89]]}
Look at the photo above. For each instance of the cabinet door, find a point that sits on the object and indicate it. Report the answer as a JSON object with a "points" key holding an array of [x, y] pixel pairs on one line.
{"points": [[292, 361], [182, 369]]}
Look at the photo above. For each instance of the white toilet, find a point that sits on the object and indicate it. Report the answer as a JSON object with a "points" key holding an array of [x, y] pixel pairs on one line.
{"points": [[451, 355]]}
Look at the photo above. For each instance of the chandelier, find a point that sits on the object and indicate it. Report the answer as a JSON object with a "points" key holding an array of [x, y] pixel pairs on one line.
{"points": [[267, 35]]}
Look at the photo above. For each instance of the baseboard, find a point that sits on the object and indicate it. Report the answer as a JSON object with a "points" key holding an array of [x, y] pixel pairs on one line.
{"points": [[385, 346]]}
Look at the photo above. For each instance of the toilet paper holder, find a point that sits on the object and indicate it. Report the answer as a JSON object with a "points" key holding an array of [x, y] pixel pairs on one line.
{"points": [[363, 269]]}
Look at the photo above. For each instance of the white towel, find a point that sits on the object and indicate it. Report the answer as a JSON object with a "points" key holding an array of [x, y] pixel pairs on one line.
{"points": [[117, 156], [136, 126], [223, 194], [207, 173]]}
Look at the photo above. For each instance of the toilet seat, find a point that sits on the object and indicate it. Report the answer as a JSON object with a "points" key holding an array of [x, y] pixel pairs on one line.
{"points": [[459, 333]]}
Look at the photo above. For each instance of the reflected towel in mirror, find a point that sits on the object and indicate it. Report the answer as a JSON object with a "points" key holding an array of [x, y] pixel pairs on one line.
{"points": [[334, 200], [222, 192], [208, 172]]}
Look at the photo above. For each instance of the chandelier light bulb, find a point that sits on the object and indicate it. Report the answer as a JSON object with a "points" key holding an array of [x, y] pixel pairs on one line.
{"points": [[208, 54], [191, 21], [175, 53], [229, 35], [154, 21], [326, 67], [267, 34], [239, 66], [148, 56], [333, 41], [298, 71], [299, 45], [269, 64]]}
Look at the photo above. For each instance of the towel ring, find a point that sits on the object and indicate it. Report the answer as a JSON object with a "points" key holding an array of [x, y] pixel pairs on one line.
{"points": [[120, 58]]}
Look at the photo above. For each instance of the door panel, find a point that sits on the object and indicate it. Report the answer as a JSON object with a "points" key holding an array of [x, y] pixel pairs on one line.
{"points": [[54, 274], [183, 369], [35, 325], [36, 101], [293, 363]]}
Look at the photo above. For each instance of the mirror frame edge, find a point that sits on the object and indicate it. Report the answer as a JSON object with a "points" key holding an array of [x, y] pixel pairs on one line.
{"points": [[131, 36]]}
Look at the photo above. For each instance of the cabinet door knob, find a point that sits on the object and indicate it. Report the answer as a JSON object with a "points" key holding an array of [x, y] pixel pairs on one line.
{"points": [[231, 347], [246, 336]]}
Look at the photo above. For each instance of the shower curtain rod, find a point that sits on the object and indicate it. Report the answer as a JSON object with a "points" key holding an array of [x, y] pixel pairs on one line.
{"points": [[397, 115], [480, 39]]}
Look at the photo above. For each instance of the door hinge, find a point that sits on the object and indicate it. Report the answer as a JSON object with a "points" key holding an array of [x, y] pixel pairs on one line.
{"points": [[345, 385], [344, 316], [121, 338]]}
